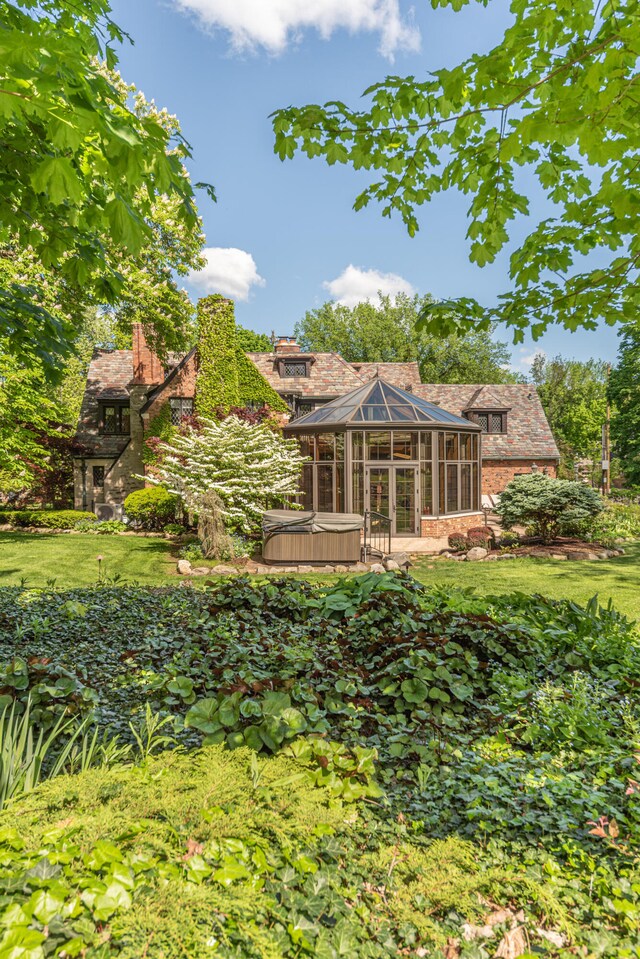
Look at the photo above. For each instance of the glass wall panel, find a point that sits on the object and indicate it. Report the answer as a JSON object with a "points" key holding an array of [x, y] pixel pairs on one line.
{"points": [[476, 488], [465, 446], [379, 490], [452, 488], [440, 446], [426, 445], [325, 488], [441, 489], [405, 494], [308, 446], [339, 474], [358, 488], [426, 489], [465, 486], [340, 447], [451, 441], [378, 445], [325, 446], [306, 486], [405, 445], [357, 446]]}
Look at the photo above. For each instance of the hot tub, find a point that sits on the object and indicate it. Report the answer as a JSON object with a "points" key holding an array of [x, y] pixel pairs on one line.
{"points": [[292, 536]]}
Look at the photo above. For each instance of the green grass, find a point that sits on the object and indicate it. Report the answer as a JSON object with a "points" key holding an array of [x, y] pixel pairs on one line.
{"points": [[616, 579], [72, 560]]}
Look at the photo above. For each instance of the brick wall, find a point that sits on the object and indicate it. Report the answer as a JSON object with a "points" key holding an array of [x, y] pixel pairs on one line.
{"points": [[147, 368], [496, 474], [433, 527], [182, 384]]}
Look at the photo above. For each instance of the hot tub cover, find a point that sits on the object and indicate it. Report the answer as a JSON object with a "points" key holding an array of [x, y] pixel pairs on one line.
{"points": [[298, 521]]}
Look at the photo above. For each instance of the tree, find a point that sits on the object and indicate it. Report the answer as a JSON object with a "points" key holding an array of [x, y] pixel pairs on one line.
{"points": [[252, 342], [369, 333], [574, 396], [549, 506], [84, 174], [248, 466], [552, 108], [624, 393]]}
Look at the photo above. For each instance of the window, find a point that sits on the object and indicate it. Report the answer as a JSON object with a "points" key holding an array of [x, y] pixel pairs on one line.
{"points": [[115, 419], [180, 406], [98, 477], [490, 422], [293, 368], [301, 409]]}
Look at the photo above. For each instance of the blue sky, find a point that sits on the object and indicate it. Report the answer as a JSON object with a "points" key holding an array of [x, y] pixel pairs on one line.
{"points": [[285, 234]]}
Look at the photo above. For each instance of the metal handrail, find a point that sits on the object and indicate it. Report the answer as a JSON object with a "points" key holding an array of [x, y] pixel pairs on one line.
{"points": [[377, 534]]}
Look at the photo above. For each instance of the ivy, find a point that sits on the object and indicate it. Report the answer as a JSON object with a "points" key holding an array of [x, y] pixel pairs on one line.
{"points": [[226, 376]]}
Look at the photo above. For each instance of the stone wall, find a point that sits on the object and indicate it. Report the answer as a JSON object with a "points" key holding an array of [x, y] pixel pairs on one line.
{"points": [[433, 527], [496, 474]]}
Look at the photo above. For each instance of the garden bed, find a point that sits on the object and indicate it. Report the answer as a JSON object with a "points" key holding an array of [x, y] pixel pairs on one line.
{"points": [[453, 773], [561, 548]]}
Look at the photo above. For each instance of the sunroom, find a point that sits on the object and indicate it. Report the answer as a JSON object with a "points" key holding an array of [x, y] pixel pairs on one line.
{"points": [[383, 450]]}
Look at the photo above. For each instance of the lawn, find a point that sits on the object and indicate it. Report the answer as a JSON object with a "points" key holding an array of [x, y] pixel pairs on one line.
{"points": [[72, 560], [616, 579]]}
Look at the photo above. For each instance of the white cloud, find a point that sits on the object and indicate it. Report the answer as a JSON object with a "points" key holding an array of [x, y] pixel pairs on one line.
{"points": [[528, 355], [274, 24], [229, 271], [354, 285]]}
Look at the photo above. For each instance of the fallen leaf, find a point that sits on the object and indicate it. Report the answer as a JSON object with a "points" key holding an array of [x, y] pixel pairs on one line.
{"points": [[514, 943]]}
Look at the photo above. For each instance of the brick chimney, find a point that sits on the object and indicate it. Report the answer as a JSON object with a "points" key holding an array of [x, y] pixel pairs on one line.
{"points": [[147, 368], [286, 345]]}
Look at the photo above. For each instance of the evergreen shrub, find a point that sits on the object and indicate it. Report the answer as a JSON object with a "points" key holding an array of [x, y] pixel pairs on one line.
{"points": [[151, 508], [550, 507]]}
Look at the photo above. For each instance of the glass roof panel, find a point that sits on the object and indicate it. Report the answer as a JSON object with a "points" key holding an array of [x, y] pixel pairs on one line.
{"points": [[378, 402]]}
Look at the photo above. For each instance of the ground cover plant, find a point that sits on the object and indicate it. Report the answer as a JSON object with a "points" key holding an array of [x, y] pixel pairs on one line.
{"points": [[505, 728]]}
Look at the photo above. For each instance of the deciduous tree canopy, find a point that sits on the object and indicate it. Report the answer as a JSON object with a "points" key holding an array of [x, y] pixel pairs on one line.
{"points": [[551, 111], [387, 333], [94, 195], [624, 391]]}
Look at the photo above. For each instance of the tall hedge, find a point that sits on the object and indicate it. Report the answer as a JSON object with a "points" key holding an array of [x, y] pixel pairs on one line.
{"points": [[226, 376], [218, 373]]}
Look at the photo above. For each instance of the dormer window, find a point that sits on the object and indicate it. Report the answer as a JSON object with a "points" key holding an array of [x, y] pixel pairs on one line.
{"points": [[293, 368], [489, 421], [114, 418]]}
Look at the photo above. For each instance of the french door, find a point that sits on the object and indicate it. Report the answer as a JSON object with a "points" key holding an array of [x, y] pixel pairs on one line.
{"points": [[394, 491]]}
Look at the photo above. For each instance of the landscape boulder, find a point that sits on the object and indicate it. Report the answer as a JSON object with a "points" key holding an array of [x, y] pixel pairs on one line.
{"points": [[184, 567], [377, 568], [390, 564], [477, 553], [224, 570]]}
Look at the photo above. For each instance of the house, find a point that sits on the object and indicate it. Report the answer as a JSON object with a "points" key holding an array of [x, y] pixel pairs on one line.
{"points": [[428, 451]]}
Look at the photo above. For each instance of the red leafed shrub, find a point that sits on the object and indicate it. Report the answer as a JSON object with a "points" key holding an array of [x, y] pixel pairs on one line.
{"points": [[481, 536]]}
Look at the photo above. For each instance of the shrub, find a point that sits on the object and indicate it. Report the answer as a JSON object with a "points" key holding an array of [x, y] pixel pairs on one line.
{"points": [[509, 538], [480, 536], [549, 506], [51, 519], [458, 541], [618, 521], [151, 508], [175, 528], [192, 552], [103, 527]]}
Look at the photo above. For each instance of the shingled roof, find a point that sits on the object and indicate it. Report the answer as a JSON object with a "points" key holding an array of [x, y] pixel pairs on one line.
{"points": [[404, 375], [329, 375], [109, 377], [528, 435]]}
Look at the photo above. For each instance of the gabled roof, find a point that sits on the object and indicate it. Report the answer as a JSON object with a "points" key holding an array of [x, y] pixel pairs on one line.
{"points": [[329, 374], [405, 375], [378, 403], [528, 433], [109, 377]]}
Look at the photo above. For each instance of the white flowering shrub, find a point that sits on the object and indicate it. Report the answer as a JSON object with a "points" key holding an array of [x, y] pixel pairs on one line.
{"points": [[248, 466]]}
